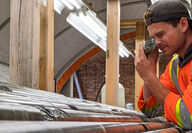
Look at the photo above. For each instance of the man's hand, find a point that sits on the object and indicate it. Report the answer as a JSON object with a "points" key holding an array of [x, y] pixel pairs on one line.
{"points": [[146, 66]]}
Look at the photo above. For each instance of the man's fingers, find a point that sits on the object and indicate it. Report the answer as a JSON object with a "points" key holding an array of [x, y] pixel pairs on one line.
{"points": [[141, 51], [153, 55]]}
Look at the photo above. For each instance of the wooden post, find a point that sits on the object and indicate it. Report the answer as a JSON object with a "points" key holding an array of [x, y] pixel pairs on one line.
{"points": [[25, 38], [112, 54], [23, 24], [140, 37], [46, 74]]}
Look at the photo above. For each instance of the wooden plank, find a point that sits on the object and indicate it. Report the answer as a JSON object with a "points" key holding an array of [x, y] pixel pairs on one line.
{"points": [[23, 27], [130, 23], [112, 53], [46, 70], [36, 47], [140, 37], [130, 35]]}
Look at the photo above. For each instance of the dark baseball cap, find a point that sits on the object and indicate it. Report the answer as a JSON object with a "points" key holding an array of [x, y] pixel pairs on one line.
{"points": [[164, 10]]}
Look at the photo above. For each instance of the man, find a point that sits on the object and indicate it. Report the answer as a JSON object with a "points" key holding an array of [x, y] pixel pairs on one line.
{"points": [[168, 21]]}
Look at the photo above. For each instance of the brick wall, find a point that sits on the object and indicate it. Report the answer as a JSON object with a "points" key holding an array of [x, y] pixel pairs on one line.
{"points": [[91, 76]]}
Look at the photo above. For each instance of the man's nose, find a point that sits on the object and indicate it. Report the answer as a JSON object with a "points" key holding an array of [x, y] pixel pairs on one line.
{"points": [[158, 42]]}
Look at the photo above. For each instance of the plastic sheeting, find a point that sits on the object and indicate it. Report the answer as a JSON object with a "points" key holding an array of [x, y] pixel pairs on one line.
{"points": [[25, 110]]}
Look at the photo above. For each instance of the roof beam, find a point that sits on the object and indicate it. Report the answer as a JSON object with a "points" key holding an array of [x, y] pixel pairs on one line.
{"points": [[130, 23], [127, 36]]}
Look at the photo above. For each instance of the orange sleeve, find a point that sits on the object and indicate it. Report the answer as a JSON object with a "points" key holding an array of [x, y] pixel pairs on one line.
{"points": [[143, 103], [172, 111], [169, 107], [151, 107]]}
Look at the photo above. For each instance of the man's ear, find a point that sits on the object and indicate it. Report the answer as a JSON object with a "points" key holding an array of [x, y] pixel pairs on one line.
{"points": [[184, 25]]}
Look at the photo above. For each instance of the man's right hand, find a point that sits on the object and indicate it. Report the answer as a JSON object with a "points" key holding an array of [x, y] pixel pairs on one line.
{"points": [[146, 67]]}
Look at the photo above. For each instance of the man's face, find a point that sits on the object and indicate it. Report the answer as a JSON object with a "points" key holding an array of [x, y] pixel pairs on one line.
{"points": [[169, 39]]}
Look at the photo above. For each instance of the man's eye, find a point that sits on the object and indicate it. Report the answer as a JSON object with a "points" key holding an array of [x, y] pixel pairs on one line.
{"points": [[160, 35]]}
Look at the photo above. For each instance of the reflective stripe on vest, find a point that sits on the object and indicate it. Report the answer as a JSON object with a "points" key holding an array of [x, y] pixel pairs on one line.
{"points": [[173, 72], [182, 114], [181, 111]]}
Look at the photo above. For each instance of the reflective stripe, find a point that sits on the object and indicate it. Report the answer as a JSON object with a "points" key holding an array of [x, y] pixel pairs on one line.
{"points": [[182, 115], [170, 68], [185, 115], [174, 73], [177, 114]]}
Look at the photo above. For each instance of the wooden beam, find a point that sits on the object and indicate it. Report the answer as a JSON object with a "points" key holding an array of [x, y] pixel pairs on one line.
{"points": [[140, 37], [26, 37], [130, 35], [35, 46], [112, 52], [130, 23], [46, 74]]}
